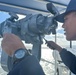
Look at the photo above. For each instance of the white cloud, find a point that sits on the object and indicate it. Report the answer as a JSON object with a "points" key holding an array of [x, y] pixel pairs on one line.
{"points": [[21, 16]]}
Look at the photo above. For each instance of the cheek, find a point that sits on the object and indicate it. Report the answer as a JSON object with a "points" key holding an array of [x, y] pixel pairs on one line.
{"points": [[70, 29], [71, 34]]}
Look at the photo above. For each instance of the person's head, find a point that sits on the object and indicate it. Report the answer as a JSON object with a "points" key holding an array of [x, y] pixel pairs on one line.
{"points": [[69, 25], [69, 20]]}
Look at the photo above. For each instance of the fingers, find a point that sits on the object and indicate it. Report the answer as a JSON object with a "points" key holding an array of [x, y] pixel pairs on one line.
{"points": [[54, 46], [51, 45]]}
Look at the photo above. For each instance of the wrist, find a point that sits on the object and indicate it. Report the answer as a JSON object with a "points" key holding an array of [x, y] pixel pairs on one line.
{"points": [[19, 55], [14, 50], [59, 49]]}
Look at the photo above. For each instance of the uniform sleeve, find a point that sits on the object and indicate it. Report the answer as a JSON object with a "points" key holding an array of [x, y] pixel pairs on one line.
{"points": [[28, 66], [69, 60]]}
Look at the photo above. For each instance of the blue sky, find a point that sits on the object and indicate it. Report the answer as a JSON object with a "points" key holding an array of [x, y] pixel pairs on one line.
{"points": [[3, 16], [60, 31]]}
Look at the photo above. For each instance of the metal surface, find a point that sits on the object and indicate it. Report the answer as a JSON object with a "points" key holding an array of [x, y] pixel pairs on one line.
{"points": [[23, 6], [31, 6], [31, 29]]}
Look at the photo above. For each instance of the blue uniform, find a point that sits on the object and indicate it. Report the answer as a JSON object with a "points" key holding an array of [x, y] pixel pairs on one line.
{"points": [[69, 60], [28, 66]]}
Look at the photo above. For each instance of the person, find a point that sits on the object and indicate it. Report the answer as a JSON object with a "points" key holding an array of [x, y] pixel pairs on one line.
{"points": [[29, 65], [24, 63], [68, 18]]}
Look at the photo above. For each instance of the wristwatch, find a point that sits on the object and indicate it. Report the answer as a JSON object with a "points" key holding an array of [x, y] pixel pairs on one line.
{"points": [[19, 55]]}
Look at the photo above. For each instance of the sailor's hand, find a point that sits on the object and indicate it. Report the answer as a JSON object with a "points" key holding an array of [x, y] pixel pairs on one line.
{"points": [[11, 43], [53, 46]]}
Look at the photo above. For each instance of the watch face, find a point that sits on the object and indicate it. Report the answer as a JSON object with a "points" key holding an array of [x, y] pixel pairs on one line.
{"points": [[20, 54]]}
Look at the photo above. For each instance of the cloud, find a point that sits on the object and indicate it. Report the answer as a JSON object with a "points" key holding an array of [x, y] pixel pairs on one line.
{"points": [[21, 16]]}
